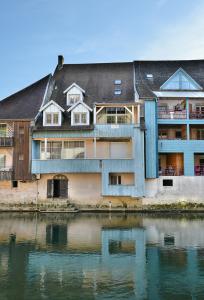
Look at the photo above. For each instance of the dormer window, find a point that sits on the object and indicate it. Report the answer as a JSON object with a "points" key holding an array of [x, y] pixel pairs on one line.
{"points": [[51, 118], [80, 114], [80, 118], [74, 94], [73, 98], [52, 114]]}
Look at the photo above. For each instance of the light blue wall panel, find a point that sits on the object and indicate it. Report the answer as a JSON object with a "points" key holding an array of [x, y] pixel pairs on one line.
{"points": [[66, 166], [35, 149], [188, 148], [99, 131], [139, 163], [151, 139]]}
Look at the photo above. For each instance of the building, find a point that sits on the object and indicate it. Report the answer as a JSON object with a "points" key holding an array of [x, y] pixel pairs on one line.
{"points": [[174, 117], [88, 142], [17, 116], [106, 133]]}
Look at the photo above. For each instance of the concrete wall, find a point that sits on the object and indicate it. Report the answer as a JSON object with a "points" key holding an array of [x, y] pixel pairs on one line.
{"points": [[185, 188], [83, 189]]}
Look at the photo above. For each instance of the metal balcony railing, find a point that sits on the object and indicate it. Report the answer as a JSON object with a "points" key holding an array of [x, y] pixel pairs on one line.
{"points": [[196, 115], [172, 114], [199, 170], [6, 141], [171, 171]]}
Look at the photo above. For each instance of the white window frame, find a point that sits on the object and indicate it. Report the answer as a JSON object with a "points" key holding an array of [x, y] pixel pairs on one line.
{"points": [[52, 118], [80, 118], [73, 95]]}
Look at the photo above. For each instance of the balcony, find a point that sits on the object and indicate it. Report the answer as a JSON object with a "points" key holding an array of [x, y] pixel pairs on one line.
{"points": [[196, 115], [81, 165], [171, 171], [6, 141], [172, 114], [171, 164], [199, 170], [6, 174]]}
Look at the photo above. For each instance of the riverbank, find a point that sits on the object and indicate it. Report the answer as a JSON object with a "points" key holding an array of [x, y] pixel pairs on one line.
{"points": [[180, 207]]}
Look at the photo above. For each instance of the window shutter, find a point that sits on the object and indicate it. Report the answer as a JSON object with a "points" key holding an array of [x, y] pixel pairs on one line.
{"points": [[49, 188]]}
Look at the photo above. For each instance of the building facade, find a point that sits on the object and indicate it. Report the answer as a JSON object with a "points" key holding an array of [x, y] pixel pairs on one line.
{"points": [[91, 133]]}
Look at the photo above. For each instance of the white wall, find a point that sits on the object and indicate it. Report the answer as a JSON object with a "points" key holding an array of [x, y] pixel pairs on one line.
{"points": [[185, 188]]}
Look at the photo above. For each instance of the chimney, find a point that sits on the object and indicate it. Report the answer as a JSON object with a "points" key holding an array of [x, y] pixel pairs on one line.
{"points": [[60, 62]]}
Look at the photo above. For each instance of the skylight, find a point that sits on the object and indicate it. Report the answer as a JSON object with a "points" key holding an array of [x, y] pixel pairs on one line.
{"points": [[149, 76], [118, 91], [118, 81]]}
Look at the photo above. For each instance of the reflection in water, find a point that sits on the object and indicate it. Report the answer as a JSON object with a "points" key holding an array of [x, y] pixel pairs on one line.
{"points": [[99, 256]]}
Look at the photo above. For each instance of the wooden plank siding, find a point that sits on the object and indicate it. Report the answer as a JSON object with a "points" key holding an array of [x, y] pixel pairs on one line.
{"points": [[21, 154]]}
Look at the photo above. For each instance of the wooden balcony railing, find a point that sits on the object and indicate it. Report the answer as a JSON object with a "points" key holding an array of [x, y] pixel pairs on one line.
{"points": [[171, 171], [199, 170], [6, 174], [6, 141]]}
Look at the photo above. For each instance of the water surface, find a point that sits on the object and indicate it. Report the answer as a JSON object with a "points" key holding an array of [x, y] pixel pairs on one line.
{"points": [[101, 256]]}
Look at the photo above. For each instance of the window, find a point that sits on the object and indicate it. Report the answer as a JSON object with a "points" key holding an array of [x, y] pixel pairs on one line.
{"points": [[118, 91], [115, 179], [21, 130], [118, 81], [55, 118], [200, 134], [48, 118], [73, 98], [163, 135], [21, 157], [80, 118], [74, 149], [63, 150], [52, 118], [168, 182], [14, 184], [178, 134], [117, 115], [149, 76], [200, 109], [2, 161], [180, 80], [3, 130]]}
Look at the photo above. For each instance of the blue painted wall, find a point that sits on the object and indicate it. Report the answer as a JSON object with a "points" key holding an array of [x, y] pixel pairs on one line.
{"points": [[187, 147], [151, 148]]}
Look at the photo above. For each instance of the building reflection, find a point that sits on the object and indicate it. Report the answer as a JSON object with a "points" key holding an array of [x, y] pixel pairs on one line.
{"points": [[141, 257]]}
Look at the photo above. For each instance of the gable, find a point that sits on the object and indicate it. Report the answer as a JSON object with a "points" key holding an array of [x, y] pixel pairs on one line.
{"points": [[51, 106], [80, 108], [180, 80]]}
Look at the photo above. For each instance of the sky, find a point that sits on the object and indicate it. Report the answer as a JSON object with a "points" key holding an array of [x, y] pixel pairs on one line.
{"points": [[34, 32]]}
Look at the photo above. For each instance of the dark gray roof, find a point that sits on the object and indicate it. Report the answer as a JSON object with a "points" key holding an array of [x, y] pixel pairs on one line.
{"points": [[161, 71], [97, 80], [25, 104]]}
